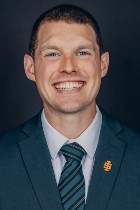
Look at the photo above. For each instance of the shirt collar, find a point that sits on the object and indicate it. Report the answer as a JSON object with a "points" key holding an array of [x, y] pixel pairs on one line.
{"points": [[88, 139]]}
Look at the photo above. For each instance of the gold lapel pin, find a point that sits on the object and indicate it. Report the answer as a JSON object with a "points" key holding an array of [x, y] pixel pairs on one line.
{"points": [[107, 165]]}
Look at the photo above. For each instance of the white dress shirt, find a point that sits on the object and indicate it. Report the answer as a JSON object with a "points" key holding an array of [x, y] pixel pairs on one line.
{"points": [[88, 140]]}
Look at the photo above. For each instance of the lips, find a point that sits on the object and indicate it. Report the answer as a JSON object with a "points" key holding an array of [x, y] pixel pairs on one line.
{"points": [[68, 85]]}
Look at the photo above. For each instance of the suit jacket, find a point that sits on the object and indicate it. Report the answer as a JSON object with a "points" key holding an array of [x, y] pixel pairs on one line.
{"points": [[27, 180]]}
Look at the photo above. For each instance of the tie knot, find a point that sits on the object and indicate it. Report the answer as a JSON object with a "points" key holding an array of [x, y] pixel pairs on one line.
{"points": [[72, 152]]}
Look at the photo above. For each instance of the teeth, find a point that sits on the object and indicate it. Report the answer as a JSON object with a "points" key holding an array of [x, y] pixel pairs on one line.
{"points": [[69, 85]]}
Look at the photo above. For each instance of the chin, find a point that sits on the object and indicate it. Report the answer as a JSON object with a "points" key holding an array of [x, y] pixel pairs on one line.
{"points": [[70, 109]]}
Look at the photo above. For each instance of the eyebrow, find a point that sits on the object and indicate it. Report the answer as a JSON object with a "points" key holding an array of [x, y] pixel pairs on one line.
{"points": [[86, 46], [49, 47]]}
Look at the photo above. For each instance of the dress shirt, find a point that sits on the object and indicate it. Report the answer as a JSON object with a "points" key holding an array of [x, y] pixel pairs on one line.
{"points": [[88, 140]]}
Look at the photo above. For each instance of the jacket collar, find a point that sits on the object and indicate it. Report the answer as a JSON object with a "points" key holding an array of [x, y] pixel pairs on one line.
{"points": [[37, 162], [111, 148]]}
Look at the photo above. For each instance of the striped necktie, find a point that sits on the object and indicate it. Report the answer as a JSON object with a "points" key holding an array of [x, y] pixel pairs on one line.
{"points": [[72, 184]]}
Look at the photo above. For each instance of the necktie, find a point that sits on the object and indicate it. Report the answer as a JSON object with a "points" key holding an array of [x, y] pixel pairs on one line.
{"points": [[72, 184]]}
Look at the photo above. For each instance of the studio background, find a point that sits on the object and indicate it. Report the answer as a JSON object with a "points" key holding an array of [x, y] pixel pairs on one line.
{"points": [[120, 26]]}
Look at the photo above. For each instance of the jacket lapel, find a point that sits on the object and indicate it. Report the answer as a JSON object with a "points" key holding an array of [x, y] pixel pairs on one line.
{"points": [[112, 148], [37, 161]]}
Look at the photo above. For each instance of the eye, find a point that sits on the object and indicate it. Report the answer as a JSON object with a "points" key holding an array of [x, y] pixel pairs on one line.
{"points": [[52, 54], [83, 53]]}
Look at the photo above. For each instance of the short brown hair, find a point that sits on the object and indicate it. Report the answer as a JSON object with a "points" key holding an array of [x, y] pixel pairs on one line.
{"points": [[69, 14]]}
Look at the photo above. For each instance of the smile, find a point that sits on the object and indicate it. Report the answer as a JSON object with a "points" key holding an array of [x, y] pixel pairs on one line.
{"points": [[68, 85]]}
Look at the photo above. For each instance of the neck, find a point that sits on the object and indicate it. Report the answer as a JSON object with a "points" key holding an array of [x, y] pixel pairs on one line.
{"points": [[70, 125]]}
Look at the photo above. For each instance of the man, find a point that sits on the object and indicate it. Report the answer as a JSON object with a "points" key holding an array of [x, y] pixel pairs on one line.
{"points": [[38, 166]]}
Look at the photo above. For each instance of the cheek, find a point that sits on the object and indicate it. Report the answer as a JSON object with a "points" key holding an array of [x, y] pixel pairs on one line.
{"points": [[92, 68], [91, 63], [93, 71], [44, 70]]}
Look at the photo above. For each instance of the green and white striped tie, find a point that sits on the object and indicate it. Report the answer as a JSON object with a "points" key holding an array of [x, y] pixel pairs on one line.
{"points": [[72, 184]]}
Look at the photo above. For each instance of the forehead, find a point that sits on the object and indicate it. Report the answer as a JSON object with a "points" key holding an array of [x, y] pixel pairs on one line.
{"points": [[62, 31]]}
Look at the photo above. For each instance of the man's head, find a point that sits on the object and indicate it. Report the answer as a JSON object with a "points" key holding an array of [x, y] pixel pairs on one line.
{"points": [[66, 60], [68, 14]]}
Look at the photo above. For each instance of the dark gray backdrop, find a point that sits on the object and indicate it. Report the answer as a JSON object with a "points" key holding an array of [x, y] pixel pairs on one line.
{"points": [[120, 25]]}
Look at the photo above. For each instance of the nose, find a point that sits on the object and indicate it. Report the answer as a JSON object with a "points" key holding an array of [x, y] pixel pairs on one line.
{"points": [[68, 65]]}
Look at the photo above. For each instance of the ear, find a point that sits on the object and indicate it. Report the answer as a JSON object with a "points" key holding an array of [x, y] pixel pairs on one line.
{"points": [[29, 67], [104, 64]]}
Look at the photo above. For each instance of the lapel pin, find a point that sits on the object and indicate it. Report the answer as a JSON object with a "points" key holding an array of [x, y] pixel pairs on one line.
{"points": [[107, 165]]}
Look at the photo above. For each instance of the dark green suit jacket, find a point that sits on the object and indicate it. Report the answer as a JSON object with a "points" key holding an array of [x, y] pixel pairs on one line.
{"points": [[27, 179]]}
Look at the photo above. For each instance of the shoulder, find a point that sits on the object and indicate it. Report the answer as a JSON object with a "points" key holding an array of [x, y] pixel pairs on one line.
{"points": [[123, 131], [20, 132]]}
